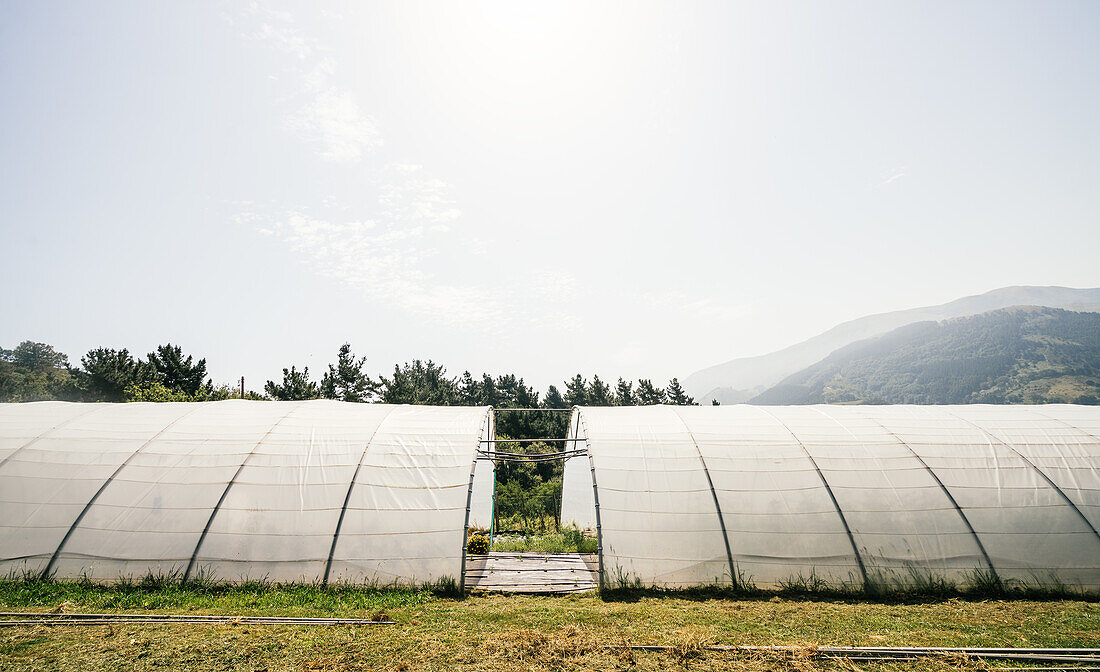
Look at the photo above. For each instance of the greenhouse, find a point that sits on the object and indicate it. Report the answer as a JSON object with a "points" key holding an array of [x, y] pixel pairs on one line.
{"points": [[232, 490], [324, 491], [840, 495]]}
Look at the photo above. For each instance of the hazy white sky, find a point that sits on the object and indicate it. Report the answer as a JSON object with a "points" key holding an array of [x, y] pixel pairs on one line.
{"points": [[629, 189]]}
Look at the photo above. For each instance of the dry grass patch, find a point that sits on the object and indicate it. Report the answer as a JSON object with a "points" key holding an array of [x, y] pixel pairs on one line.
{"points": [[503, 633]]}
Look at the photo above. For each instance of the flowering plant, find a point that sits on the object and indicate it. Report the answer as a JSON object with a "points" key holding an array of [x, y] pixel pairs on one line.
{"points": [[478, 543]]}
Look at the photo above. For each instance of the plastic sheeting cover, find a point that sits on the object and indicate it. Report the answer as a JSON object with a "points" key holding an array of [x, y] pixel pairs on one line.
{"points": [[843, 494], [239, 489]]}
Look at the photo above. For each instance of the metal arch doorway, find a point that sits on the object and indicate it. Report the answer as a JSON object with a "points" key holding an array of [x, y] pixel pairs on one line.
{"points": [[528, 572]]}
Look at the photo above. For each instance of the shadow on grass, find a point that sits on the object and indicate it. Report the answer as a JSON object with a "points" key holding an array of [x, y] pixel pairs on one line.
{"points": [[162, 590], [912, 588]]}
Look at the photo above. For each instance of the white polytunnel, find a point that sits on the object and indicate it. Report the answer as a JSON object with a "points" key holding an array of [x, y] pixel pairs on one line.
{"points": [[848, 495], [233, 490]]}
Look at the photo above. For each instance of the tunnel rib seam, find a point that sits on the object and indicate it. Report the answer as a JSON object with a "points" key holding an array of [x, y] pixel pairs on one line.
{"points": [[829, 490], [714, 494], [43, 435], [1039, 471], [110, 479], [347, 496], [228, 487], [935, 477]]}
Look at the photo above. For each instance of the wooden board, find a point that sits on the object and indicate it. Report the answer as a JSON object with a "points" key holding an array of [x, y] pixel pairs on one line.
{"points": [[531, 572]]}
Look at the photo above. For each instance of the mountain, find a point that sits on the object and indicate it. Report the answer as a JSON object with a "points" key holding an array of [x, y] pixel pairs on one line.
{"points": [[1021, 355], [741, 379]]}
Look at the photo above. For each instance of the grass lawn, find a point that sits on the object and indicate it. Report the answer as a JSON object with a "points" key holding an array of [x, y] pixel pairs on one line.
{"points": [[509, 632]]}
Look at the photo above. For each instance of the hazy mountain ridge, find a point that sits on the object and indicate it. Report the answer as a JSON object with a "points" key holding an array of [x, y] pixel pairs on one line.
{"points": [[741, 379], [1018, 355]]}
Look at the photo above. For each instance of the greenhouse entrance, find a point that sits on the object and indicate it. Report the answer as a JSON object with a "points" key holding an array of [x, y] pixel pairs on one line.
{"points": [[526, 549]]}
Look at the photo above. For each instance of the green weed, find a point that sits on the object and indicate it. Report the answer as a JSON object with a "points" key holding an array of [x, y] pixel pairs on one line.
{"points": [[567, 540]]}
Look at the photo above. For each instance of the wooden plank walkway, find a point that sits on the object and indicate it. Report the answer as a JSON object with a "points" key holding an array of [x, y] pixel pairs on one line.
{"points": [[531, 572]]}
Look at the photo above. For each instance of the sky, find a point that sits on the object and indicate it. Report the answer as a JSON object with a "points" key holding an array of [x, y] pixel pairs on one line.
{"points": [[630, 189]]}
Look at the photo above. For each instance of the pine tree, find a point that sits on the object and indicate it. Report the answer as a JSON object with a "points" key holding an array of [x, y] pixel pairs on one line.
{"points": [[576, 392], [490, 395], [677, 396], [553, 399], [296, 386], [648, 394], [420, 382], [469, 391], [512, 392], [105, 373], [526, 397], [170, 369], [346, 381], [599, 394], [624, 393], [506, 391]]}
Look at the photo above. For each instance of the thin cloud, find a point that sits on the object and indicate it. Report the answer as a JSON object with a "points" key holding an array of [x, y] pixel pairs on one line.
{"points": [[260, 22], [696, 309], [384, 248], [333, 123], [329, 119], [895, 174], [408, 195], [286, 39], [386, 264], [385, 256]]}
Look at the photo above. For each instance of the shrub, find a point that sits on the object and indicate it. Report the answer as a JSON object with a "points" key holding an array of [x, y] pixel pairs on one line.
{"points": [[478, 543]]}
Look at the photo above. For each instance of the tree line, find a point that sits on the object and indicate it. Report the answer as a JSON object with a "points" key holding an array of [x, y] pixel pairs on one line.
{"points": [[37, 371]]}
